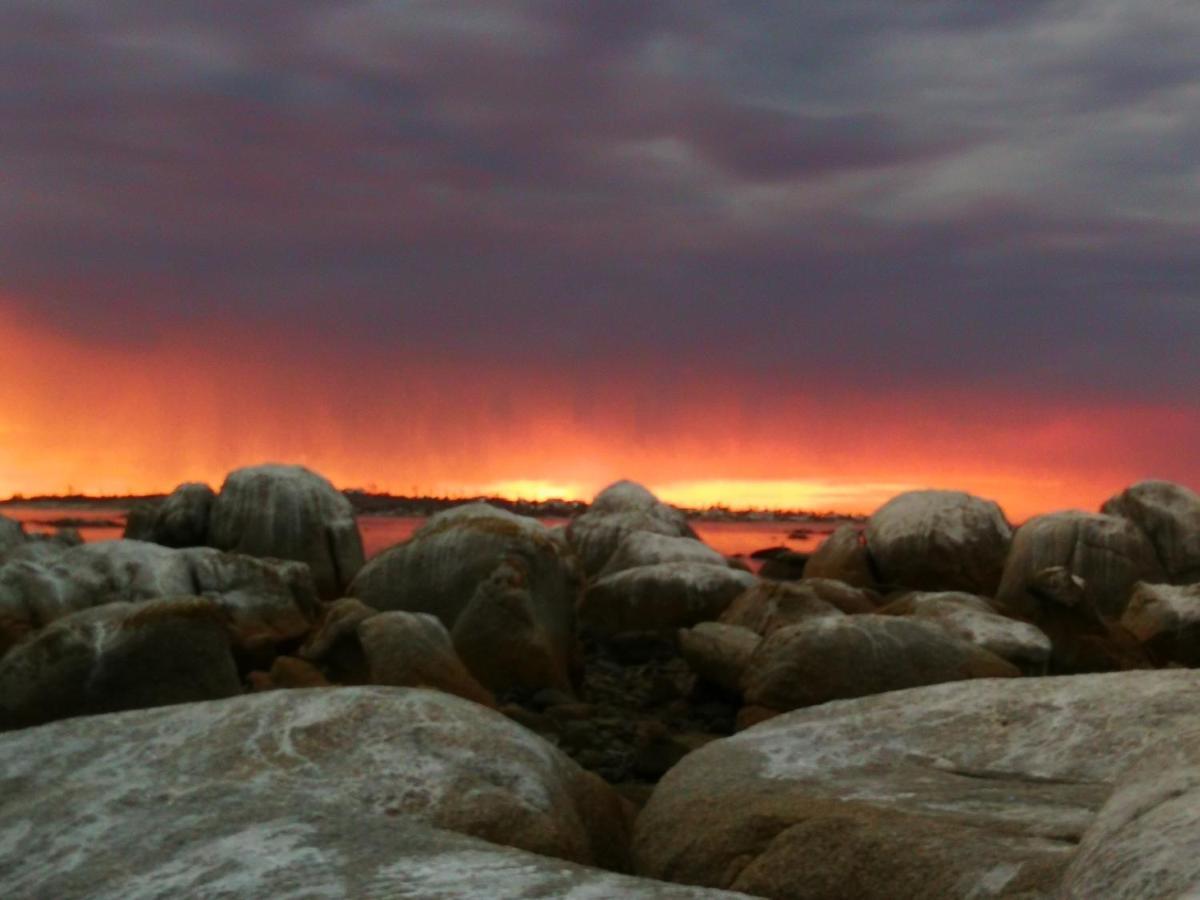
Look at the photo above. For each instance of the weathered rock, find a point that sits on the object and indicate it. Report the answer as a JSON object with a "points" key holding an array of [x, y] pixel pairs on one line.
{"points": [[289, 512], [334, 642], [1169, 514], [835, 658], [769, 605], [843, 556], [292, 673], [1142, 845], [290, 766], [939, 541], [140, 522], [665, 596], [12, 535], [414, 650], [646, 548], [973, 789], [719, 653], [1166, 621], [786, 566], [973, 619], [182, 518], [119, 656], [616, 512], [1109, 553]]}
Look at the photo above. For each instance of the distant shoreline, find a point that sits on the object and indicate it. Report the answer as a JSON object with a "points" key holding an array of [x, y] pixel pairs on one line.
{"points": [[366, 504]]}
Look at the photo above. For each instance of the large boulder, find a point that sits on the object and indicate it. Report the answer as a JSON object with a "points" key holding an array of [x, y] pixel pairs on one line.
{"points": [[1166, 620], [181, 520], [646, 548], [119, 656], [1169, 514], [853, 656], [414, 650], [719, 653], [1109, 553], [1142, 845], [843, 556], [289, 512], [504, 585], [616, 512], [769, 605], [939, 541], [663, 597], [972, 789], [387, 757], [973, 619]]}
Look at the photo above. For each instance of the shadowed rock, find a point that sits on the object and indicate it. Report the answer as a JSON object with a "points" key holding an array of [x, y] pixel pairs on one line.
{"points": [[770, 605], [645, 548], [973, 789], [182, 518], [1166, 621], [618, 511], [719, 653], [843, 556], [1169, 514], [662, 597], [939, 541], [12, 535], [289, 512], [414, 650]]}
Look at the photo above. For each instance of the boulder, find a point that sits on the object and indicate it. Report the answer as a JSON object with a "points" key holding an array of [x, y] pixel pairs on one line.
{"points": [[504, 586], [973, 619], [119, 656], [12, 535], [939, 541], [666, 596], [1110, 554], [646, 548], [616, 512], [334, 642], [1142, 844], [140, 522], [843, 556], [768, 605], [972, 789], [719, 653], [289, 512], [414, 650], [316, 759], [835, 658], [786, 566], [182, 518], [1169, 515], [1165, 619]]}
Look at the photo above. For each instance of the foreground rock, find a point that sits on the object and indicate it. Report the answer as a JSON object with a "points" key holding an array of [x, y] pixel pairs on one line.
{"points": [[973, 619], [663, 597], [1169, 514], [973, 789], [338, 793], [119, 656], [854, 656], [618, 511], [1108, 553], [1142, 845], [289, 512], [1165, 619], [939, 541], [504, 585]]}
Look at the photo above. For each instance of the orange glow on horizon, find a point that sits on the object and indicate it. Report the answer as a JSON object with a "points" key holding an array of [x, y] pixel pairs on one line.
{"points": [[193, 405]]}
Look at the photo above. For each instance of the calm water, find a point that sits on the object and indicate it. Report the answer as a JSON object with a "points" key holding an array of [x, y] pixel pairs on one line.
{"points": [[381, 532]]}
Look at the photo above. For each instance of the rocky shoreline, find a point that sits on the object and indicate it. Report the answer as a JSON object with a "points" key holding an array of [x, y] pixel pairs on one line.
{"points": [[933, 705]]}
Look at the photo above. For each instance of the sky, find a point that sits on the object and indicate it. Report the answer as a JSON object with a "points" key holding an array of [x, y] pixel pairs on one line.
{"points": [[777, 254]]}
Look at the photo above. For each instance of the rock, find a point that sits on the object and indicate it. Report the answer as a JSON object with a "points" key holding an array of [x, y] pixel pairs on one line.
{"points": [[971, 789], [660, 597], [289, 512], [843, 556], [770, 605], [140, 522], [616, 512], [1142, 844], [786, 566], [414, 650], [939, 541], [334, 642], [1109, 553], [182, 518], [973, 619], [1169, 515], [853, 656], [290, 672], [719, 653], [1165, 619], [288, 766], [12, 535], [646, 548], [119, 656]]}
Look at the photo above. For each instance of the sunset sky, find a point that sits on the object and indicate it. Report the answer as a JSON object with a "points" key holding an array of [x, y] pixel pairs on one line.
{"points": [[772, 254]]}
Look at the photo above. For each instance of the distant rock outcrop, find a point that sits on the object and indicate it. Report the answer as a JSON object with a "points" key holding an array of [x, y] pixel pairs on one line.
{"points": [[618, 511], [289, 512]]}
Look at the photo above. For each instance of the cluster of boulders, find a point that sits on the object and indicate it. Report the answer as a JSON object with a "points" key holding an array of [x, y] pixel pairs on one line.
{"points": [[494, 692]]}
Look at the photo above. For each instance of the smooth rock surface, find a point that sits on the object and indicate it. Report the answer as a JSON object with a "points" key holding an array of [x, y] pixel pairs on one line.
{"points": [[414, 650], [719, 653], [618, 511], [646, 548], [973, 789], [854, 656], [1169, 514], [939, 541], [665, 596], [1166, 621], [289, 512], [843, 556], [1110, 554]]}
